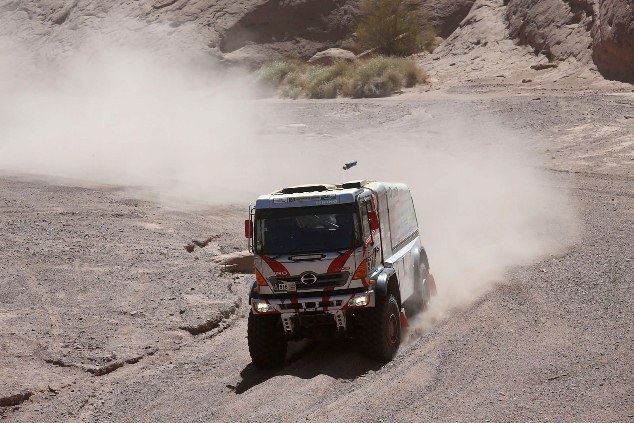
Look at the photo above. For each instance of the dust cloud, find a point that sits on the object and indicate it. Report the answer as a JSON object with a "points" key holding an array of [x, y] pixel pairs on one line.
{"points": [[483, 202], [170, 122], [113, 111]]}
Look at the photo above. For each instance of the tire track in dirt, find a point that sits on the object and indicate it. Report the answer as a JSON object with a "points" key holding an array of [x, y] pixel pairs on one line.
{"points": [[194, 352]]}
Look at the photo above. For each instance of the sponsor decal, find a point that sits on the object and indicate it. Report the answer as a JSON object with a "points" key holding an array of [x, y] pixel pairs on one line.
{"points": [[338, 263], [278, 268]]}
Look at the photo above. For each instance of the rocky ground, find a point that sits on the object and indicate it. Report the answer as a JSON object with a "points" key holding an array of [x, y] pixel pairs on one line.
{"points": [[106, 316], [116, 307]]}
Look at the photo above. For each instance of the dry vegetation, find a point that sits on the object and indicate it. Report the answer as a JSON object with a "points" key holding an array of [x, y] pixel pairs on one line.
{"points": [[376, 77], [394, 28]]}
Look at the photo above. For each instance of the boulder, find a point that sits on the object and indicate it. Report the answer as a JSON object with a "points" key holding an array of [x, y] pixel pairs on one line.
{"points": [[239, 262], [328, 57]]}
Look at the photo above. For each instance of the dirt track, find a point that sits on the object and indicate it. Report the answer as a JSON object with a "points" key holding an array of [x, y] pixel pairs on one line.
{"points": [[98, 291]]}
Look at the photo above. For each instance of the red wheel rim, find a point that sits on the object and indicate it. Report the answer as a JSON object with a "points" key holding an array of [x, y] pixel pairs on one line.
{"points": [[391, 326]]}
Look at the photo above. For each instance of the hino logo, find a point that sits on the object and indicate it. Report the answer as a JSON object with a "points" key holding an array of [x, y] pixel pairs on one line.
{"points": [[308, 278]]}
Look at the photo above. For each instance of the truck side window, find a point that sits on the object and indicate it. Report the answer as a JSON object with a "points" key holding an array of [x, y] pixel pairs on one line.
{"points": [[363, 212]]}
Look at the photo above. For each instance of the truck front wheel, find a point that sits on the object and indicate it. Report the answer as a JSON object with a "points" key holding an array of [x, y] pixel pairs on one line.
{"points": [[382, 334], [267, 344]]}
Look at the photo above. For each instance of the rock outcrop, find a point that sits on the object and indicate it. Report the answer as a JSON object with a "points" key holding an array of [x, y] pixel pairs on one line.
{"points": [[446, 15], [268, 22], [613, 40], [593, 33], [297, 28], [479, 48], [590, 31], [558, 29]]}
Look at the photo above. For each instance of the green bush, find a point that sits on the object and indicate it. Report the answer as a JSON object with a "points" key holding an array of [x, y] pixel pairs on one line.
{"points": [[376, 77], [394, 27]]}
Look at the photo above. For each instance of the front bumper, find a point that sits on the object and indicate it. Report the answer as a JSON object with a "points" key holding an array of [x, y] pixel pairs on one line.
{"points": [[323, 303]]}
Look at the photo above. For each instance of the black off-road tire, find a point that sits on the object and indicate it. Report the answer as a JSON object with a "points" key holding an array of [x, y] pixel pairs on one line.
{"points": [[267, 345], [382, 329]]}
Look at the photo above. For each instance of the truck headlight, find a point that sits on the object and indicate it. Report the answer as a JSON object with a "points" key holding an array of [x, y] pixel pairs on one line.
{"points": [[360, 300], [263, 307]]}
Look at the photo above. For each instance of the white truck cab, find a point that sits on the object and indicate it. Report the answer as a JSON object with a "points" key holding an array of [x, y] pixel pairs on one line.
{"points": [[334, 261]]}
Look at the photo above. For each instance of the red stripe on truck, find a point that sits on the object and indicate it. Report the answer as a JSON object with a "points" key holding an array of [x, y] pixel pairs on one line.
{"points": [[339, 262], [276, 266], [326, 298]]}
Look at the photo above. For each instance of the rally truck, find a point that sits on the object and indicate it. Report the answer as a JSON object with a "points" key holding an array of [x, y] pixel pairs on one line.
{"points": [[340, 260]]}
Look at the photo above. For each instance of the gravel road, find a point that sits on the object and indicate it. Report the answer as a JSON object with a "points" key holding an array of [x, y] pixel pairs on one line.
{"points": [[99, 298]]}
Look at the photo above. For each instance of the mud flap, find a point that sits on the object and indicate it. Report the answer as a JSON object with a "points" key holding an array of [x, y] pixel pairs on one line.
{"points": [[432, 285], [404, 322]]}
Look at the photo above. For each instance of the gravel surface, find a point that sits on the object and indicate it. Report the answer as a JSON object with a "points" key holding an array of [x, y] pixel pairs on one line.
{"points": [[99, 296]]}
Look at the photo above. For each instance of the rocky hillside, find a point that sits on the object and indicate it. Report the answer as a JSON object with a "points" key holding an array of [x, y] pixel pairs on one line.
{"points": [[590, 32]]}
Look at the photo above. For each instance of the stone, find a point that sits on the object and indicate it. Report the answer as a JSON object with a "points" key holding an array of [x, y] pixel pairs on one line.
{"points": [[330, 56], [542, 66], [239, 262]]}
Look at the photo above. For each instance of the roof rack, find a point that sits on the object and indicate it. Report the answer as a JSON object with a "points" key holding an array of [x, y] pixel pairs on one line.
{"points": [[306, 188], [354, 184], [298, 189]]}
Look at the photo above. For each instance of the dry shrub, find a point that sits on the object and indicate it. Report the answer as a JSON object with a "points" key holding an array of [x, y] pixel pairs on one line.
{"points": [[275, 71], [381, 76], [394, 27], [376, 77]]}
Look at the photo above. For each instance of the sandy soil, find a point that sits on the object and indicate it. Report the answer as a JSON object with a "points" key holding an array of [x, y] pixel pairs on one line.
{"points": [[99, 297]]}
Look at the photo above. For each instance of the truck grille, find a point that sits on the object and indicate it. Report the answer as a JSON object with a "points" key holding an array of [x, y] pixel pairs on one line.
{"points": [[324, 280]]}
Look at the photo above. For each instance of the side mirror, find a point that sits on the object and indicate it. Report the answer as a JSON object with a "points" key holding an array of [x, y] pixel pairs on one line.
{"points": [[373, 220], [248, 229]]}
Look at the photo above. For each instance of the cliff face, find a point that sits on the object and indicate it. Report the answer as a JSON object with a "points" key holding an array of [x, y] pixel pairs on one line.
{"points": [[245, 31], [613, 40], [593, 32], [242, 30], [556, 28]]}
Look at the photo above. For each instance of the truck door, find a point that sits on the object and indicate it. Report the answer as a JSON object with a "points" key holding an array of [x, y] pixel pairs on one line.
{"points": [[372, 241]]}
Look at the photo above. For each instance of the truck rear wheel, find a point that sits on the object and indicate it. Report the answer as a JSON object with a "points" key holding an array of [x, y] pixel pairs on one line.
{"points": [[267, 345], [382, 334], [421, 298]]}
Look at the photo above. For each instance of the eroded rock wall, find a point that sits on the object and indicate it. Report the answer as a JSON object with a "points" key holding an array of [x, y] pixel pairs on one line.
{"points": [[613, 40], [558, 29], [446, 15], [591, 31]]}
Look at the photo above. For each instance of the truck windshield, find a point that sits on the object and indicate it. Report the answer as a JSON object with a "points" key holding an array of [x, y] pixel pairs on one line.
{"points": [[306, 230]]}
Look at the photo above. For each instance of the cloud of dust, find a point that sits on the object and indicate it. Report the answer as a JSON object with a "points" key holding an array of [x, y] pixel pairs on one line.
{"points": [[483, 202], [117, 112], [175, 124]]}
